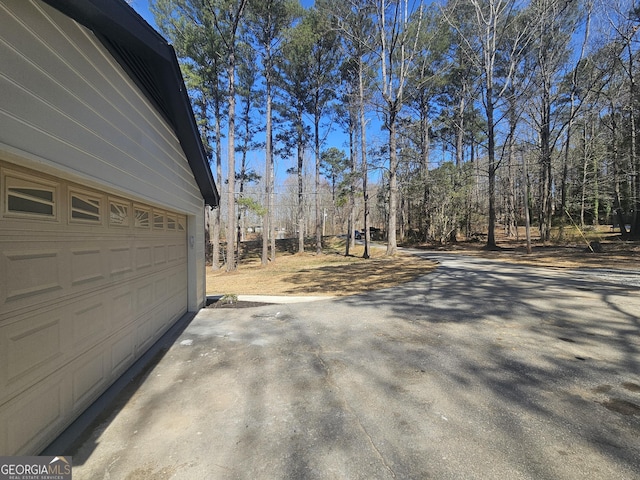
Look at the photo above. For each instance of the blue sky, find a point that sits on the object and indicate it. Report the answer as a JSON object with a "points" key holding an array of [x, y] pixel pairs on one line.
{"points": [[142, 7]]}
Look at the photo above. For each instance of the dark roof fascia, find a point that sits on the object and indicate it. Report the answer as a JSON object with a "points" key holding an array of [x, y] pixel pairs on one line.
{"points": [[127, 34]]}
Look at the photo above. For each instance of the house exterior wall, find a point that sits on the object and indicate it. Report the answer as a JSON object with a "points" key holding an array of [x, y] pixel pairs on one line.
{"points": [[71, 119]]}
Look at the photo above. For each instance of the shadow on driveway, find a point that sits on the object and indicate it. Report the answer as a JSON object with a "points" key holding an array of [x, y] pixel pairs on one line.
{"points": [[479, 370]]}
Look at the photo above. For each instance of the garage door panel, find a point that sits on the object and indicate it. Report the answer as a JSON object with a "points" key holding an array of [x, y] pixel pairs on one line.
{"points": [[122, 351], [144, 334], [122, 305], [174, 252], [30, 345], [31, 273], [33, 416], [159, 255], [160, 289], [35, 346], [144, 295], [144, 257], [88, 378], [175, 282], [120, 260], [32, 348], [161, 321], [89, 324], [87, 265]]}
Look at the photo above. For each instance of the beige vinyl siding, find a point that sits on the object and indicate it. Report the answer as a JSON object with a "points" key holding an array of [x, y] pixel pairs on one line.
{"points": [[66, 100]]}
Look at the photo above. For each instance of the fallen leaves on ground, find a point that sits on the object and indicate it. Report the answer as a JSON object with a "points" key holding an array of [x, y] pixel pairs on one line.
{"points": [[331, 274]]}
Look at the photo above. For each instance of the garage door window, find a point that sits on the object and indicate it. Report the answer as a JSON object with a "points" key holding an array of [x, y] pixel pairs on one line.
{"points": [[171, 222], [158, 220], [119, 214], [142, 217], [25, 197], [85, 207]]}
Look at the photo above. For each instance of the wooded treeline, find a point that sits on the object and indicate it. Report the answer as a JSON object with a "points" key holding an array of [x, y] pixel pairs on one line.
{"points": [[479, 113]]}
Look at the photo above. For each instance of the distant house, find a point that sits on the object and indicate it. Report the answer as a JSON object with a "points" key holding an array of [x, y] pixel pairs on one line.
{"points": [[103, 185]]}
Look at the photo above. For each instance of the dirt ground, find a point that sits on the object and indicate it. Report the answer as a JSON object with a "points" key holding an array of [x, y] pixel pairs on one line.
{"points": [[334, 274]]}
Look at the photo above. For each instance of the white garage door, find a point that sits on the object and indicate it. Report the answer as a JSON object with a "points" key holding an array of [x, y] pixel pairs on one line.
{"points": [[88, 281]]}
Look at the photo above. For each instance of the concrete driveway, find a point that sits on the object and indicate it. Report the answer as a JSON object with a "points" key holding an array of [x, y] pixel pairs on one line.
{"points": [[480, 370]]}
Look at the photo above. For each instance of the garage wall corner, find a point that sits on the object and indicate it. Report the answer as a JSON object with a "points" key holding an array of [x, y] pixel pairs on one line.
{"points": [[196, 269]]}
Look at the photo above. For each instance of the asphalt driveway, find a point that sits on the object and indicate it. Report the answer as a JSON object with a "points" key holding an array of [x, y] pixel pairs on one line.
{"points": [[480, 370]]}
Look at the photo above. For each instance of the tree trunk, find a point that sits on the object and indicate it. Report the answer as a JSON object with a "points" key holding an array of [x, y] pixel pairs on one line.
{"points": [[242, 212], [512, 224], [585, 177], [392, 246], [301, 222], [424, 171], [565, 162], [527, 218], [491, 152], [267, 219], [352, 187], [616, 177], [460, 130], [363, 155], [231, 167], [546, 172], [319, 215], [217, 223], [403, 218]]}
